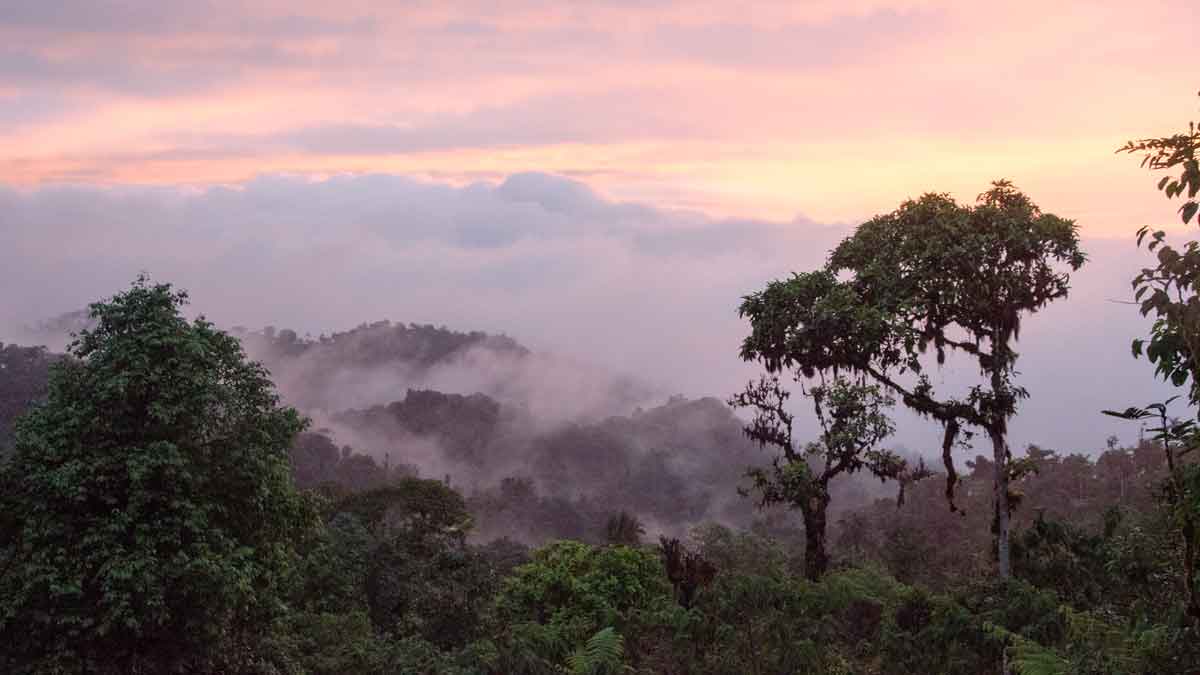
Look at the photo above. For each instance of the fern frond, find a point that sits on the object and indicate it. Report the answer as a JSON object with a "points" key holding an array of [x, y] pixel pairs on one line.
{"points": [[603, 654], [1026, 657]]}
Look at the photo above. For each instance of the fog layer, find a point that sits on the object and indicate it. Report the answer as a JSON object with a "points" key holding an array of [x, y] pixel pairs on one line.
{"points": [[624, 291]]}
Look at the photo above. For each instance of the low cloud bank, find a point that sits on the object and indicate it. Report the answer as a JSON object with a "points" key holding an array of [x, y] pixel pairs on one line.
{"points": [[625, 292]]}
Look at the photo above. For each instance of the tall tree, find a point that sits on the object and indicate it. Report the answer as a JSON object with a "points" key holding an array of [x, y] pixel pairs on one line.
{"points": [[853, 423], [150, 520], [937, 274]]}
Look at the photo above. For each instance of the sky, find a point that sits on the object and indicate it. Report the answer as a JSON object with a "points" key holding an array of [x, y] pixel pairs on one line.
{"points": [[604, 179]]}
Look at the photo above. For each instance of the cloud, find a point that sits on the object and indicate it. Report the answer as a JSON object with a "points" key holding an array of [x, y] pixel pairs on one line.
{"points": [[630, 287], [631, 114], [839, 109], [123, 18], [802, 46]]}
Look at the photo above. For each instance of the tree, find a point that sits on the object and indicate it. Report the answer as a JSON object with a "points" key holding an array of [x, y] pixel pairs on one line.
{"points": [[688, 571], [1168, 292], [933, 273], [150, 520], [421, 578], [623, 529], [853, 423], [571, 591]]}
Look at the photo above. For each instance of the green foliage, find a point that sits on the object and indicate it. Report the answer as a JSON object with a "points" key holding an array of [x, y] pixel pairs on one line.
{"points": [[411, 560], [742, 552], [934, 634], [415, 506], [1174, 152], [569, 592], [853, 421], [332, 575], [1027, 657], [429, 589], [935, 274], [757, 624], [604, 654], [1053, 554], [1168, 292], [915, 276], [151, 522], [334, 644], [323, 643]]}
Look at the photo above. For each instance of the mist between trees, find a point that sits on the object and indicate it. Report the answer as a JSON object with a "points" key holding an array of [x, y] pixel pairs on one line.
{"points": [[404, 498]]}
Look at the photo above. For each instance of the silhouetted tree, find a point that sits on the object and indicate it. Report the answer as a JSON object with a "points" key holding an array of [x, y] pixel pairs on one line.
{"points": [[688, 571], [935, 274], [624, 529], [853, 424]]}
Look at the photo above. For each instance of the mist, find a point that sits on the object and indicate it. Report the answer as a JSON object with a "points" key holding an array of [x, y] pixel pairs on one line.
{"points": [[620, 291]]}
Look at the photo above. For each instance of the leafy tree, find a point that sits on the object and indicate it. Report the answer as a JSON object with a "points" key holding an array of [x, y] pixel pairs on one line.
{"points": [[937, 274], [150, 520], [1168, 292], [411, 506], [333, 572], [420, 577], [853, 423]]}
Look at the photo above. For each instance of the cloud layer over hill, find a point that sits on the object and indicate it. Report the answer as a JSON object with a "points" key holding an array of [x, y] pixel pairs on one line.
{"points": [[626, 288]]}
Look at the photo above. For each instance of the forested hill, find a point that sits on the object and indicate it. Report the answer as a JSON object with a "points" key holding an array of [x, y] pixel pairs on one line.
{"points": [[347, 369], [534, 476], [376, 363], [675, 465], [331, 372], [374, 344]]}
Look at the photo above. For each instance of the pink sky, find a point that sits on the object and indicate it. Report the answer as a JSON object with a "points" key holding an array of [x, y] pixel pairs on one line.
{"points": [[604, 179], [833, 110]]}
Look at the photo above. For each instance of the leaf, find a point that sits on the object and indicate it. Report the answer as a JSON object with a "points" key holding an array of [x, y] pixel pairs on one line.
{"points": [[603, 653], [1127, 414], [1188, 210]]}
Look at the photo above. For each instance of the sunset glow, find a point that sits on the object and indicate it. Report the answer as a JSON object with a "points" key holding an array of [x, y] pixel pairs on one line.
{"points": [[831, 110]]}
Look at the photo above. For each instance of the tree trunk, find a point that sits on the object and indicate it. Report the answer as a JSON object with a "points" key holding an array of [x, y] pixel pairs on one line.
{"points": [[1000, 498], [816, 560], [1004, 406]]}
